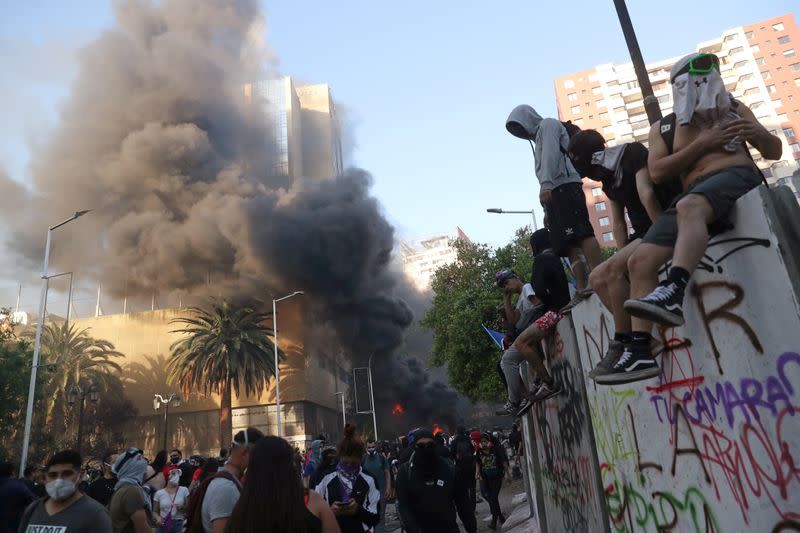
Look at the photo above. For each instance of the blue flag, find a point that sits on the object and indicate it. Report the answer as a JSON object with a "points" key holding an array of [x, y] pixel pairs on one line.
{"points": [[496, 336]]}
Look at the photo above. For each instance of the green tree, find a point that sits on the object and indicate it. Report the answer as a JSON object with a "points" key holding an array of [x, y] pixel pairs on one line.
{"points": [[464, 299], [72, 357], [224, 348], [15, 368]]}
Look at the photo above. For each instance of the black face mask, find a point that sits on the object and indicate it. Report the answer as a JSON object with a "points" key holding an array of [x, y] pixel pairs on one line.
{"points": [[425, 459], [175, 460]]}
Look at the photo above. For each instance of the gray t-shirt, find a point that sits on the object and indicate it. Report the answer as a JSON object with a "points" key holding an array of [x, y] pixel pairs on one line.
{"points": [[84, 515], [524, 304], [219, 501]]}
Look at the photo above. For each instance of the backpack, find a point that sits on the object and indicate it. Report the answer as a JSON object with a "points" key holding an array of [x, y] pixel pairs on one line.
{"points": [[572, 129], [669, 125], [194, 511]]}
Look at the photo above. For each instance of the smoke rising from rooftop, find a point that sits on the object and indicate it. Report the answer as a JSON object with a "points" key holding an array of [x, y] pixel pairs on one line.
{"points": [[158, 140]]}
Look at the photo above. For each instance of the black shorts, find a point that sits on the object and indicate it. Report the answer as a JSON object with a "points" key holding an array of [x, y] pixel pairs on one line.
{"points": [[721, 188], [568, 218]]}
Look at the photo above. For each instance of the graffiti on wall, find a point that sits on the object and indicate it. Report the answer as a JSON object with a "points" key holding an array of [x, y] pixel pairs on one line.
{"points": [[688, 451]]}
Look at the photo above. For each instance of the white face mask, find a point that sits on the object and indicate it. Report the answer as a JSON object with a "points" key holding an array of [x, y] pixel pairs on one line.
{"points": [[60, 489]]}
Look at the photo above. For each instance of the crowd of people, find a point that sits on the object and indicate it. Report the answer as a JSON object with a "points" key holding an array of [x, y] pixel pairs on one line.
{"points": [[675, 194], [263, 484]]}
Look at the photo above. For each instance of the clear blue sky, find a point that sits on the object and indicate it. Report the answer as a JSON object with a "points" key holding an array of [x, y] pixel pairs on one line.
{"points": [[427, 84]]}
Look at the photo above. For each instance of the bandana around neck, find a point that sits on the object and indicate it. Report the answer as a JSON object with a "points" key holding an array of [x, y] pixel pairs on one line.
{"points": [[611, 160], [347, 476]]}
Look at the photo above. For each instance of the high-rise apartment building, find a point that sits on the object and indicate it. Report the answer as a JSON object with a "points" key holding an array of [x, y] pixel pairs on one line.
{"points": [[759, 66], [421, 261], [307, 132]]}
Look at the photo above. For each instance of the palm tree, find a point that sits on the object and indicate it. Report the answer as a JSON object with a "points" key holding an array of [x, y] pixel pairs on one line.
{"points": [[75, 358], [225, 347]]}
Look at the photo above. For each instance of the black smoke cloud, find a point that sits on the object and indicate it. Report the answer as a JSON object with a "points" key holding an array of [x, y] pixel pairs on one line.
{"points": [[158, 139]]}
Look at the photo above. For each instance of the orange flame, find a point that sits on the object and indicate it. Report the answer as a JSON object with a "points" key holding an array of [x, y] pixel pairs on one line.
{"points": [[436, 428], [398, 409]]}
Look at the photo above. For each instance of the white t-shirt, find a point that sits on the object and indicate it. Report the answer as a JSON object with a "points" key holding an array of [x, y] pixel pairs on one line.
{"points": [[523, 302], [164, 500]]}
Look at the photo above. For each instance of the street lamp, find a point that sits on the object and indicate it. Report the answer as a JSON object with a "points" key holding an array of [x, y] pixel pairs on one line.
{"points": [[76, 393], [158, 401], [277, 368], [500, 211], [344, 418], [37, 343], [372, 396]]}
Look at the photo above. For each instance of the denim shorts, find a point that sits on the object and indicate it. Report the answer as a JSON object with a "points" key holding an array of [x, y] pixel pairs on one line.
{"points": [[721, 188]]}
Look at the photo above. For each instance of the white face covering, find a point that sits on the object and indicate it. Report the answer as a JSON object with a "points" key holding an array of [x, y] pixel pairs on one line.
{"points": [[60, 489], [174, 477], [700, 99]]}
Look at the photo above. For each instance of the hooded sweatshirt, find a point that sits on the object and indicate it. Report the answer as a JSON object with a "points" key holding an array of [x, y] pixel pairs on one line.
{"points": [[553, 167]]}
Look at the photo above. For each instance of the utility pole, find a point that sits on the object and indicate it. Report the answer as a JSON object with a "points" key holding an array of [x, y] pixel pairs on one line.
{"points": [[651, 106]]}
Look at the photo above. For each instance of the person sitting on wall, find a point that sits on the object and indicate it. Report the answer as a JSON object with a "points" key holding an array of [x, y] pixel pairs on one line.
{"points": [[710, 154], [550, 284], [521, 314], [626, 182]]}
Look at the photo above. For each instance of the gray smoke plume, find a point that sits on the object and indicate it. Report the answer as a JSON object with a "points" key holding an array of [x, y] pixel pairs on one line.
{"points": [[158, 139]]}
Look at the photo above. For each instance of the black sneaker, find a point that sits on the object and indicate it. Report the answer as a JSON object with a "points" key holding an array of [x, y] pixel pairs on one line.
{"points": [[578, 298], [664, 305], [547, 390], [524, 406], [615, 349], [509, 409], [635, 364]]}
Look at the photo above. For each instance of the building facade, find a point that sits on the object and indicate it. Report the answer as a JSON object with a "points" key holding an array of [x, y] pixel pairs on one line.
{"points": [[306, 128], [759, 66], [420, 261]]}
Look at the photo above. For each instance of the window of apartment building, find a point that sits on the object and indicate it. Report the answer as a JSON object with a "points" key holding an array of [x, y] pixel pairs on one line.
{"points": [[778, 26], [795, 66], [760, 61], [749, 34], [737, 50], [789, 53], [569, 84], [778, 102], [755, 48], [631, 85], [604, 222], [603, 116], [797, 81], [572, 97], [592, 77], [597, 90], [745, 77], [730, 37], [600, 103], [752, 90], [783, 117], [600, 206], [766, 75], [578, 122], [575, 109], [740, 64], [583, 91], [608, 130], [756, 105], [789, 132], [597, 191], [783, 40], [608, 236], [795, 148], [770, 89], [663, 99]]}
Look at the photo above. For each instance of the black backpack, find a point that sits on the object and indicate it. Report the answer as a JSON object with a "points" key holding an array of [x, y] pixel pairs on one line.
{"points": [[463, 451], [572, 129]]}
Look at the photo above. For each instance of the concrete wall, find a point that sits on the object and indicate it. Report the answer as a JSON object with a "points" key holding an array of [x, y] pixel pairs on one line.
{"points": [[713, 444]]}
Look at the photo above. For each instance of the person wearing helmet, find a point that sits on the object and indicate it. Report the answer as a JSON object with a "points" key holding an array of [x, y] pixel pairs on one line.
{"points": [[522, 313]]}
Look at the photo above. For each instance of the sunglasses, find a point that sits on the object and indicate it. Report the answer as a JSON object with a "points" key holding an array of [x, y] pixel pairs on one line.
{"points": [[63, 474], [426, 446], [701, 64]]}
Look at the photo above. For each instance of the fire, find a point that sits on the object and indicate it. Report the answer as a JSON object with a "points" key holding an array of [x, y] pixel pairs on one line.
{"points": [[398, 409], [436, 428]]}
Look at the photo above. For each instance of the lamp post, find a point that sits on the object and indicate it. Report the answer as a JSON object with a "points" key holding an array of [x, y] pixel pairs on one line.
{"points": [[371, 396], [76, 393], [651, 106], [277, 368], [37, 343], [344, 418], [500, 211], [158, 401]]}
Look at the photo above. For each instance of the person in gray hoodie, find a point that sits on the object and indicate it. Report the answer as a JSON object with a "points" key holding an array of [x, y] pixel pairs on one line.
{"points": [[561, 194]]}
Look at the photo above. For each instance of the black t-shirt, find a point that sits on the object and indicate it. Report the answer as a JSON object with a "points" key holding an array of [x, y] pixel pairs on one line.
{"points": [[627, 194], [549, 281], [102, 489]]}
